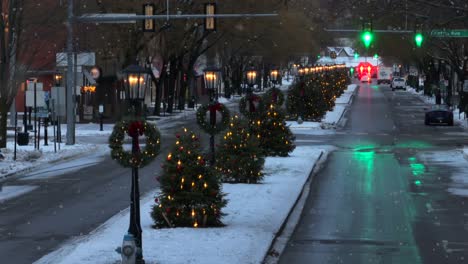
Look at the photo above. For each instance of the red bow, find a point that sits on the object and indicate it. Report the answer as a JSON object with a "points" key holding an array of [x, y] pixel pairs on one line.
{"points": [[215, 107], [136, 129], [274, 96]]}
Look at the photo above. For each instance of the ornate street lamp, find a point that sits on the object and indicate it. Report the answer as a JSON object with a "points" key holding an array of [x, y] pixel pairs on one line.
{"points": [[212, 81], [274, 74], [251, 78], [136, 81]]}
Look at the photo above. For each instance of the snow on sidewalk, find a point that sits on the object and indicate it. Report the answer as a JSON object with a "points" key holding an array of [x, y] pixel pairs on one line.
{"points": [[331, 118], [27, 157], [255, 213]]}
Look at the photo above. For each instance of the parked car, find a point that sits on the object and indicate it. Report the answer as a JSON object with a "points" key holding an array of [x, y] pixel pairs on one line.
{"points": [[365, 78], [398, 83], [439, 114]]}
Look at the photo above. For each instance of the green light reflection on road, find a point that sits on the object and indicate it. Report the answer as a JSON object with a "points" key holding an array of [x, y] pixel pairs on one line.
{"points": [[365, 155], [417, 169]]}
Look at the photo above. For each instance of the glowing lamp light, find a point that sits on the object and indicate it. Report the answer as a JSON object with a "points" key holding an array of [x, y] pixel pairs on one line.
{"points": [[136, 80], [251, 76], [274, 75]]}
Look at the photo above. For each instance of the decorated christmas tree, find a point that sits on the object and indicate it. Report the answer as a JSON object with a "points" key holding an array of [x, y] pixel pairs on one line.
{"points": [[190, 191], [276, 139], [240, 157], [313, 96]]}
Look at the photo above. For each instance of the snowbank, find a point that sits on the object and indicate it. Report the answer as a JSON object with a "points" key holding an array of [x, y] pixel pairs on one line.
{"points": [[27, 157], [254, 215], [458, 163]]}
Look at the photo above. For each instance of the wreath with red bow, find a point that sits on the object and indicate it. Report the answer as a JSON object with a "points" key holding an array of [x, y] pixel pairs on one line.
{"points": [[251, 106], [274, 96], [138, 157], [203, 117]]}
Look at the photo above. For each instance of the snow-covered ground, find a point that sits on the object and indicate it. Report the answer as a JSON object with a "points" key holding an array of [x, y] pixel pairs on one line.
{"points": [[27, 157], [331, 118], [255, 213], [9, 192], [459, 163]]}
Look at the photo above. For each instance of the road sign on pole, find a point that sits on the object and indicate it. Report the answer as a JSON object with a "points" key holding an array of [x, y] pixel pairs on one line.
{"points": [[452, 33]]}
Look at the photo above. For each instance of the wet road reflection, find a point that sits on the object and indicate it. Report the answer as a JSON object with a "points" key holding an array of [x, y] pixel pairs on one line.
{"points": [[381, 198]]}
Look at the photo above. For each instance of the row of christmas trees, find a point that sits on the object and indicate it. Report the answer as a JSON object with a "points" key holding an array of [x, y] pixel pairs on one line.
{"points": [[191, 193], [315, 94]]}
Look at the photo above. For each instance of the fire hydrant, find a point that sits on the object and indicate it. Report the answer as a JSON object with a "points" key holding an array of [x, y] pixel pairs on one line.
{"points": [[128, 250]]}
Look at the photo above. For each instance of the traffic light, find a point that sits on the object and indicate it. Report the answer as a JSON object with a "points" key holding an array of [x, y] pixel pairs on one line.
{"points": [[367, 35], [418, 38], [356, 55]]}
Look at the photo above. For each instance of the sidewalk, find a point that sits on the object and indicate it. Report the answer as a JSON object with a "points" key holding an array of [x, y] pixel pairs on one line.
{"points": [[255, 213]]}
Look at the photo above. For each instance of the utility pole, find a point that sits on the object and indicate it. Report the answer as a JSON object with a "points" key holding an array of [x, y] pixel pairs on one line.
{"points": [[70, 78]]}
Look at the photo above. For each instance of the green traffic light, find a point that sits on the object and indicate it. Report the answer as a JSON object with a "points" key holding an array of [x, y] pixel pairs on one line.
{"points": [[418, 38], [356, 56], [367, 37], [376, 56], [351, 70]]}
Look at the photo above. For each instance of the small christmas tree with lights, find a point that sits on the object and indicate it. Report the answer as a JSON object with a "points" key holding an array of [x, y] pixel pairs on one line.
{"points": [[240, 158], [190, 191], [276, 139]]}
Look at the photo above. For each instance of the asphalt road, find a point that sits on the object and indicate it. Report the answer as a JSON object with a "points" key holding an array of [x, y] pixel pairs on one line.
{"points": [[377, 199], [74, 197]]}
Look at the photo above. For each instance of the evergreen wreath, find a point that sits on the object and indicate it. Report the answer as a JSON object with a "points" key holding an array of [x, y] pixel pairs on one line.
{"points": [[258, 107], [275, 96], [205, 124], [134, 128]]}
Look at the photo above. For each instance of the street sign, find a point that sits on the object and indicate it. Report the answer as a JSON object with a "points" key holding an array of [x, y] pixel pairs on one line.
{"points": [[58, 99], [453, 33], [40, 102], [39, 86]]}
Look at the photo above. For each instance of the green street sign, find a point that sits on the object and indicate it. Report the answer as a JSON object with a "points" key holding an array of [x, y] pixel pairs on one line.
{"points": [[454, 33]]}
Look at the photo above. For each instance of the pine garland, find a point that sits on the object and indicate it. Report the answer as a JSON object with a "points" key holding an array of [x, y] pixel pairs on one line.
{"points": [[126, 158], [205, 124]]}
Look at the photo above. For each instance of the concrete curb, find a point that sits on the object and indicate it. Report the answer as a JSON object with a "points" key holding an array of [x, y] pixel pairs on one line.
{"points": [[340, 123], [278, 243]]}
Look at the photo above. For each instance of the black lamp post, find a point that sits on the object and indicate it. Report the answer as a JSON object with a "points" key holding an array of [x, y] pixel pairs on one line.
{"points": [[274, 74], [251, 79], [212, 83], [136, 80]]}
